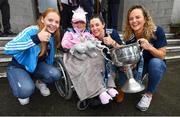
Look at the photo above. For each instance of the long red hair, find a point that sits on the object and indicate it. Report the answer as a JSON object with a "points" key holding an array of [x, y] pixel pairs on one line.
{"points": [[41, 26]]}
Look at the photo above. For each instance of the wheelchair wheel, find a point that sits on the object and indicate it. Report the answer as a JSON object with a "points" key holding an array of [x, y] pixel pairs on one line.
{"points": [[82, 105], [63, 85]]}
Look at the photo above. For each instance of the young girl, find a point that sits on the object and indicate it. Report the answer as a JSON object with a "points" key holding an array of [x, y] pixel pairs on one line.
{"points": [[33, 55], [89, 79], [79, 32]]}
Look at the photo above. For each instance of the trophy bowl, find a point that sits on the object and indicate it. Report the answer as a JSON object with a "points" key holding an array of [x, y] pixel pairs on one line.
{"points": [[126, 56]]}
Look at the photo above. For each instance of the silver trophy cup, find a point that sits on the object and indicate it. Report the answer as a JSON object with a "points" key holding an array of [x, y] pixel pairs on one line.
{"points": [[126, 56]]}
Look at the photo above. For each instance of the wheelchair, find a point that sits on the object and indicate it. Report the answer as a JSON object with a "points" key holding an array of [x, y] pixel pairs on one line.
{"points": [[64, 86]]}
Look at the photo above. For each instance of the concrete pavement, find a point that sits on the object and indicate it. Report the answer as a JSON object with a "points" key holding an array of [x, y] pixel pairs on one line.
{"points": [[166, 101]]}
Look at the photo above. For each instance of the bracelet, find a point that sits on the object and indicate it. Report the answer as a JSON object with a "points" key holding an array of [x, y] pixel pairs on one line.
{"points": [[114, 44]]}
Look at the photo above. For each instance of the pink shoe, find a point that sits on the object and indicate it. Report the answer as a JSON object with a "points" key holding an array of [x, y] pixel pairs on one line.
{"points": [[105, 97], [112, 92]]}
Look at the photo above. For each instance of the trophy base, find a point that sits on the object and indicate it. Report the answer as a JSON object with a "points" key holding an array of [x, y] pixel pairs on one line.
{"points": [[132, 86]]}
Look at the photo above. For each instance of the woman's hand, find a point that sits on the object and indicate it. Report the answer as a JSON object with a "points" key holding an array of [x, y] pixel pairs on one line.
{"points": [[156, 52], [145, 44], [43, 35], [109, 41]]}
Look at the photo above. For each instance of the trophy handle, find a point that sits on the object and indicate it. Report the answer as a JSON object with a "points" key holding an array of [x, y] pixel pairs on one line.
{"points": [[101, 47]]}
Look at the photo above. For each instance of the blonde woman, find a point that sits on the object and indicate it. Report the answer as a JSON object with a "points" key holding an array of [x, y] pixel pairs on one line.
{"points": [[140, 27]]}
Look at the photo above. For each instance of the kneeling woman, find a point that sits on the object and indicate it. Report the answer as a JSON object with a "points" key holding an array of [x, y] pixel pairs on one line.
{"points": [[33, 55]]}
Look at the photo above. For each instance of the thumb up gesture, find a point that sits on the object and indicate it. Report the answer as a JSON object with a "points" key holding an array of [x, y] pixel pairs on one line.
{"points": [[44, 35], [108, 40]]}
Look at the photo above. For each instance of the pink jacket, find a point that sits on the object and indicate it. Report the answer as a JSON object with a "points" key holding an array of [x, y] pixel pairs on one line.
{"points": [[71, 38]]}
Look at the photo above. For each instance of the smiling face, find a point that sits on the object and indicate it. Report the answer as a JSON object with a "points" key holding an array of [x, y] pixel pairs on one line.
{"points": [[97, 27], [137, 20], [52, 21], [81, 25]]}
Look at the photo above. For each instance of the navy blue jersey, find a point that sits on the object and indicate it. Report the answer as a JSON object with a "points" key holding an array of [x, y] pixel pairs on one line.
{"points": [[158, 42]]}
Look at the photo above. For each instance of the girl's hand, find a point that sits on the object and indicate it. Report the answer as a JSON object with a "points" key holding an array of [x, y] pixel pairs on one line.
{"points": [[44, 35], [125, 69]]}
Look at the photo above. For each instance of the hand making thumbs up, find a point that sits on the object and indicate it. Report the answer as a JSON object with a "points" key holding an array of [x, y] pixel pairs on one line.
{"points": [[44, 35], [108, 40]]}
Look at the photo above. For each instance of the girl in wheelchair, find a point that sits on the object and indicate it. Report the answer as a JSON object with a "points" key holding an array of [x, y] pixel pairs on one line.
{"points": [[85, 63]]}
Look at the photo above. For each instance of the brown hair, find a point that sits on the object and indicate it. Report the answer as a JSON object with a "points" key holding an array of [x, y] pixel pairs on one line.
{"points": [[99, 17], [41, 26], [149, 26]]}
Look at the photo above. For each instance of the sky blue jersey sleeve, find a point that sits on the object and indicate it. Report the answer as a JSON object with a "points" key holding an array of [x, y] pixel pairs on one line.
{"points": [[22, 41]]}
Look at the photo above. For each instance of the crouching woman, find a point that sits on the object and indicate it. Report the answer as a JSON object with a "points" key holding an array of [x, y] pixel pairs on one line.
{"points": [[32, 52]]}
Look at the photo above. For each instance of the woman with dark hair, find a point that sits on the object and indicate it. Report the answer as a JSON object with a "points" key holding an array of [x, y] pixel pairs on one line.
{"points": [[33, 52], [109, 38]]}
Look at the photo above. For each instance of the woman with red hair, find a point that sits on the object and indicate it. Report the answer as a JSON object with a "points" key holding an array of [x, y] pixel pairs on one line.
{"points": [[32, 52]]}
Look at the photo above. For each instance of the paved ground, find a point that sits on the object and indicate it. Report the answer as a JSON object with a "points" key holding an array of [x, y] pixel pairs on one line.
{"points": [[166, 101]]}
